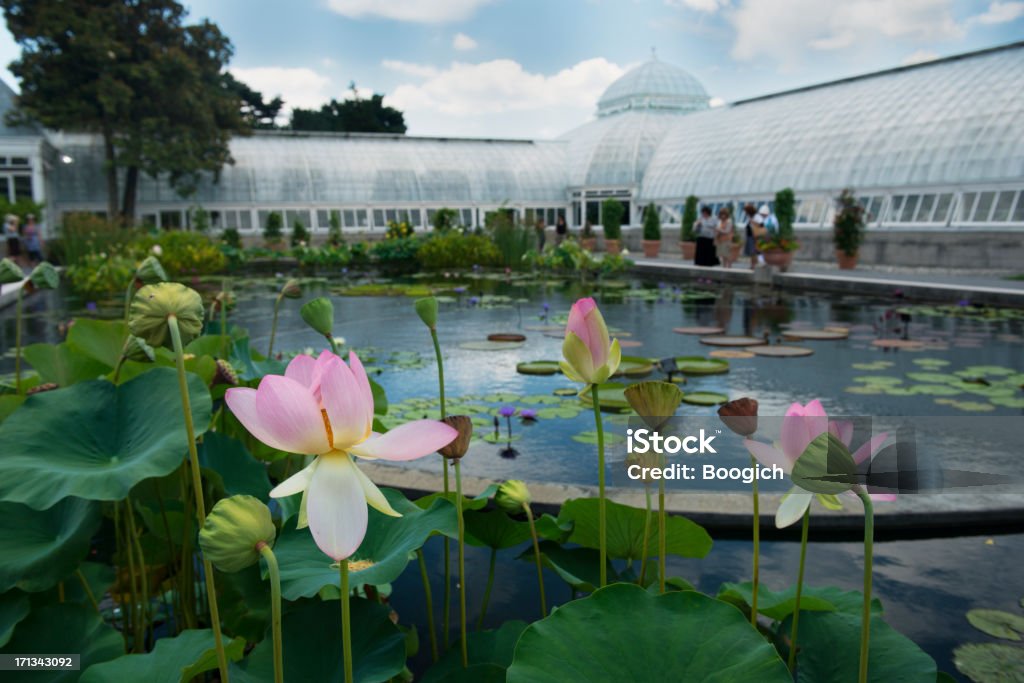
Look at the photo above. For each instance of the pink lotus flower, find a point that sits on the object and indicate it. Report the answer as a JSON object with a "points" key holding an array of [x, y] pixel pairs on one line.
{"points": [[589, 358], [800, 426], [324, 407]]}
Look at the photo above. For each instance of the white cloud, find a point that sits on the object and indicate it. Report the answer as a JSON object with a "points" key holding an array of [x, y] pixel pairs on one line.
{"points": [[463, 42], [419, 11], [299, 87], [500, 98], [999, 13], [699, 5], [716, 102], [783, 30], [919, 57], [409, 68]]}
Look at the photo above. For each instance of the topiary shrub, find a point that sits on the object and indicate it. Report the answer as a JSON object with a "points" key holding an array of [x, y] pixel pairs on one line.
{"points": [[445, 219], [272, 230], [689, 218], [334, 236], [299, 233], [611, 218], [652, 223], [785, 212], [848, 224]]}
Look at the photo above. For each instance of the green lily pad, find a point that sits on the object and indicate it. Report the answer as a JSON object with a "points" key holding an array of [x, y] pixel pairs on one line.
{"points": [[865, 389], [635, 366], [540, 399], [231, 469], [490, 654], [610, 395], [583, 641], [539, 367], [178, 658], [1007, 402], [699, 365], [873, 365], [60, 629], [565, 391], [997, 623], [311, 637], [704, 398], [96, 440], [494, 529], [930, 362], [987, 371], [41, 547], [988, 662], [935, 390], [559, 412], [490, 345], [610, 438], [62, 365], [101, 340], [625, 531], [14, 606], [939, 377], [502, 437], [389, 541], [971, 406], [878, 379]]}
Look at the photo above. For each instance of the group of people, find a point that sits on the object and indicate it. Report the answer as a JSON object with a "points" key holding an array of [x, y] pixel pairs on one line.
{"points": [[715, 235], [561, 230], [24, 244]]}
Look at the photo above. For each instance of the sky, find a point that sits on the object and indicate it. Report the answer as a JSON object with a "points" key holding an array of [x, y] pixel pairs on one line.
{"points": [[535, 68]]}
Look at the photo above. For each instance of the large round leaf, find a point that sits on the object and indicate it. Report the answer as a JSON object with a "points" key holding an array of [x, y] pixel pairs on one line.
{"points": [[624, 633], [63, 365], [989, 662], [230, 467], [490, 653], [14, 607], [62, 629], [96, 440], [39, 548], [311, 643], [381, 557], [172, 660], [494, 529], [776, 605]]}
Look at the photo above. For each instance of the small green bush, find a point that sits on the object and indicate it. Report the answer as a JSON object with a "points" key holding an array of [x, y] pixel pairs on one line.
{"points": [[785, 212], [689, 218], [397, 254], [652, 223], [299, 233], [611, 218], [848, 224], [454, 250], [272, 230], [182, 253], [231, 238], [200, 220], [445, 219], [512, 239], [334, 236]]}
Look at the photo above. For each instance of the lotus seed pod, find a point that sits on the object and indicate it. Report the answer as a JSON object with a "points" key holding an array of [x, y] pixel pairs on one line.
{"points": [[319, 314], [136, 348], [740, 416], [233, 531], [154, 304], [291, 289], [45, 276], [426, 309], [655, 402], [150, 271], [460, 444], [10, 272], [512, 495]]}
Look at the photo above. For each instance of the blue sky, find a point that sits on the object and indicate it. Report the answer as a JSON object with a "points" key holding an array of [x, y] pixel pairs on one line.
{"points": [[535, 68]]}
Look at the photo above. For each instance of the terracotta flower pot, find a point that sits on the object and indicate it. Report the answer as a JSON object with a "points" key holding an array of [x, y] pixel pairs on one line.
{"points": [[778, 258], [589, 243], [651, 248], [846, 262], [613, 246], [734, 252], [688, 249]]}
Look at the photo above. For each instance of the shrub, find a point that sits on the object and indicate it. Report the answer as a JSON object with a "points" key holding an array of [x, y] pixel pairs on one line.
{"points": [[689, 218], [200, 220], [99, 274], [848, 224], [231, 238], [398, 230], [272, 230], [84, 234], [611, 218], [334, 236], [299, 233], [512, 239], [445, 219], [454, 250], [652, 223], [785, 212], [183, 253], [397, 254], [328, 256]]}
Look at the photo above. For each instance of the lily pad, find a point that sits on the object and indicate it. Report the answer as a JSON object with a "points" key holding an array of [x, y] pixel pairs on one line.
{"points": [[173, 659], [490, 345], [560, 412], [905, 344], [873, 365], [699, 330], [704, 398], [625, 532], [775, 605], [1008, 402], [381, 558], [731, 340], [63, 628], [988, 662], [578, 567], [506, 337], [490, 654], [565, 391], [997, 623], [781, 351], [828, 334], [698, 365], [583, 641], [538, 367], [937, 390], [40, 548], [937, 377], [878, 380], [931, 362], [635, 366], [730, 353], [96, 440], [610, 395], [610, 438]]}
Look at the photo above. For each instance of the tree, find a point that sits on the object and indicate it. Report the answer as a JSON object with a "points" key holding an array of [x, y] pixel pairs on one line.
{"points": [[652, 223], [256, 112], [352, 116], [272, 229], [686, 233], [151, 86], [334, 237]]}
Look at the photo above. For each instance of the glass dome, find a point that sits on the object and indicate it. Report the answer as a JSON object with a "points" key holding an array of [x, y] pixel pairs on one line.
{"points": [[615, 150], [653, 85]]}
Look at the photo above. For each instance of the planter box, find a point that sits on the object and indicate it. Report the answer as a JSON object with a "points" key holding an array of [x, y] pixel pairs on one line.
{"points": [[651, 248], [689, 250]]}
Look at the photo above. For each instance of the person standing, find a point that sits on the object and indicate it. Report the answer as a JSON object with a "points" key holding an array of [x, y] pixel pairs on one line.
{"points": [[540, 228], [33, 242], [750, 244], [723, 237], [13, 238], [705, 229], [561, 229]]}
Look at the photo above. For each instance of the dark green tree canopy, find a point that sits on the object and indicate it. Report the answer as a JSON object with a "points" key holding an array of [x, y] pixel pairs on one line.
{"points": [[256, 112], [352, 116]]}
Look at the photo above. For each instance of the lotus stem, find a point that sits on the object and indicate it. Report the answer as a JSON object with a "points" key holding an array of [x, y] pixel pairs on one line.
{"points": [[799, 588], [757, 549], [429, 598], [275, 607], [346, 621], [536, 557], [128, 293], [662, 526], [869, 540], [141, 559], [333, 343], [273, 326], [197, 490], [127, 548], [647, 533], [447, 593], [601, 515], [224, 318], [487, 589], [88, 591], [17, 340], [462, 564]]}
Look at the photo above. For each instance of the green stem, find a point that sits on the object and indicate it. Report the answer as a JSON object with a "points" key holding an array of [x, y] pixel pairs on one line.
{"points": [[334, 344], [128, 293], [487, 589], [662, 525], [869, 540], [799, 588], [136, 546], [647, 534], [127, 547], [17, 341], [536, 557], [447, 593], [440, 371], [224, 319], [462, 564], [429, 597], [275, 608], [197, 490], [757, 549], [601, 515], [273, 327], [346, 621]]}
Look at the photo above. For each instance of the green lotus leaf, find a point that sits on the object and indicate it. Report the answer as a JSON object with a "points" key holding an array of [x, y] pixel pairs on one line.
{"points": [[63, 629], [578, 567], [502, 437], [987, 662], [997, 623], [986, 371], [173, 659], [625, 530], [100, 340], [490, 654], [610, 394], [477, 502], [230, 467], [311, 634], [582, 640], [610, 438], [830, 649], [45, 276], [562, 412], [494, 529], [386, 549], [940, 377], [935, 390], [878, 379], [1006, 402], [41, 547], [96, 440], [699, 365], [14, 606], [541, 399], [538, 367], [9, 403], [62, 365], [775, 605], [634, 366], [705, 398]]}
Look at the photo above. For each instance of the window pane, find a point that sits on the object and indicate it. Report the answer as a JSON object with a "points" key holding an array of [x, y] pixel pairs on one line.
{"points": [[467, 218], [350, 218], [1002, 211], [430, 216], [391, 215], [170, 220], [942, 205], [323, 219], [231, 219], [924, 210], [875, 209], [895, 206], [245, 220], [378, 218], [22, 187], [1018, 212], [5, 188], [594, 213], [362, 218], [967, 205], [909, 206], [985, 201]]}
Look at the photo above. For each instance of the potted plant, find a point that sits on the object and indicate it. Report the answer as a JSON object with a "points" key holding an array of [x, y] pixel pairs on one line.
{"points": [[611, 217], [737, 246], [848, 229], [652, 232], [587, 238], [273, 230], [779, 245], [687, 240]]}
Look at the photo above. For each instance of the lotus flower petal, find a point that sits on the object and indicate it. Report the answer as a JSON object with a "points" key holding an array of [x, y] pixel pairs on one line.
{"points": [[242, 402], [870, 447], [406, 442], [801, 426], [345, 404], [336, 507], [290, 415], [577, 355], [374, 496], [769, 455], [302, 369], [842, 430], [296, 483], [792, 507], [363, 382]]}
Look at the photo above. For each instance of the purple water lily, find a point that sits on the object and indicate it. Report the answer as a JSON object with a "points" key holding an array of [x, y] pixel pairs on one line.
{"points": [[507, 411], [528, 415]]}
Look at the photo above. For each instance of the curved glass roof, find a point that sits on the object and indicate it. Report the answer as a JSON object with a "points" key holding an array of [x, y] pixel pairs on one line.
{"points": [[952, 122], [653, 85], [615, 150], [353, 169]]}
